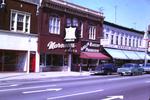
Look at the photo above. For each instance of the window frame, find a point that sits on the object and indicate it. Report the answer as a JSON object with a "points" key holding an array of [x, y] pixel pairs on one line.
{"points": [[72, 22], [25, 24], [92, 32], [54, 24]]}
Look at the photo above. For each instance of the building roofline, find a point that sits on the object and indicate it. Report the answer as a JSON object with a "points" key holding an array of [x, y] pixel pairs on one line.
{"points": [[76, 7], [35, 2], [122, 27]]}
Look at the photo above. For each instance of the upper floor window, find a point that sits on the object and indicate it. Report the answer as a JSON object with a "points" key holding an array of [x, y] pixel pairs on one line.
{"points": [[133, 42], [125, 41], [112, 39], [92, 32], [117, 40], [121, 41], [82, 30], [137, 43], [129, 42], [54, 25], [72, 22], [20, 21]]}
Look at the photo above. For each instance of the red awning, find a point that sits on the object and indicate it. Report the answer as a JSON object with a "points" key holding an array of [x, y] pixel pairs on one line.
{"points": [[93, 55]]}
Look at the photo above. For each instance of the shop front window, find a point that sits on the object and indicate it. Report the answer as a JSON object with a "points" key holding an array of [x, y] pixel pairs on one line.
{"points": [[54, 60], [12, 61]]}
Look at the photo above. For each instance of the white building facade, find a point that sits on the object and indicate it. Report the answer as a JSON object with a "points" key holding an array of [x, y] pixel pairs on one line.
{"points": [[124, 44]]}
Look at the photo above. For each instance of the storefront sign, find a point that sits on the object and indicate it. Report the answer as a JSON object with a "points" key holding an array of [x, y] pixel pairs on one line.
{"points": [[124, 47], [90, 47], [70, 34], [53, 45]]}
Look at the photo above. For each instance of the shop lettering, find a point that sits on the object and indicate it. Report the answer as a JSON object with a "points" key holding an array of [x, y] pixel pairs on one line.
{"points": [[91, 50], [94, 45], [53, 45], [85, 46], [90, 44], [125, 47]]}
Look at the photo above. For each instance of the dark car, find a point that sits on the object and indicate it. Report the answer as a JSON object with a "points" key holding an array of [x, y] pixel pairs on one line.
{"points": [[130, 69], [107, 69]]}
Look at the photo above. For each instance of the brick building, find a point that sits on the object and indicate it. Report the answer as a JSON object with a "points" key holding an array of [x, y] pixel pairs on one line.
{"points": [[56, 53], [19, 38]]}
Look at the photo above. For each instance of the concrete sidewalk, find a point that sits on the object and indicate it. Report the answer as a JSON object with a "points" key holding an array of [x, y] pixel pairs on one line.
{"points": [[40, 75]]}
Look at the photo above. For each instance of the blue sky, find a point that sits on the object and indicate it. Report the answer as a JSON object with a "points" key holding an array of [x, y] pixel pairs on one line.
{"points": [[129, 13]]}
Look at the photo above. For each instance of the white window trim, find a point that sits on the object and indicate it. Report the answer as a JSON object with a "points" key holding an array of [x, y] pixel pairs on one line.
{"points": [[82, 27], [92, 32], [24, 21], [55, 26]]}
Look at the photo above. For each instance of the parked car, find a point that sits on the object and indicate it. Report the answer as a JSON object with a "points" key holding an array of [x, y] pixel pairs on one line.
{"points": [[146, 68], [130, 69], [107, 69]]}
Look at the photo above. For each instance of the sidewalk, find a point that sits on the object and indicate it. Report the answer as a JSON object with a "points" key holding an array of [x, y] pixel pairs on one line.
{"points": [[40, 75]]}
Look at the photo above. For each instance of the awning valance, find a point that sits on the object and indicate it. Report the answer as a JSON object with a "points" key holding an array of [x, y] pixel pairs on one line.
{"points": [[142, 55], [93, 55], [131, 55], [127, 55], [115, 53]]}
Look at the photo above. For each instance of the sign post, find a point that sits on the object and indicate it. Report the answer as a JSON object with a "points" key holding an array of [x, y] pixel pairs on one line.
{"points": [[70, 38]]}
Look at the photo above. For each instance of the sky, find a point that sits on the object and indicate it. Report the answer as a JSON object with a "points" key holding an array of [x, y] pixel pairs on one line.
{"points": [[128, 13]]}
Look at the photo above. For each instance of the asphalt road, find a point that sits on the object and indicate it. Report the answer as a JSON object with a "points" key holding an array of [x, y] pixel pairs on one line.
{"points": [[78, 88]]}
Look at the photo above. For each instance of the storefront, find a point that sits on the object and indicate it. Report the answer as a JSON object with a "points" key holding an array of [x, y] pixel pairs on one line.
{"points": [[124, 45], [91, 56], [121, 56], [54, 55], [18, 52]]}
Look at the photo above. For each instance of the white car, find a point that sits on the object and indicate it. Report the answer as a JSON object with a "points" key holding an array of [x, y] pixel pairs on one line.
{"points": [[146, 68], [130, 69]]}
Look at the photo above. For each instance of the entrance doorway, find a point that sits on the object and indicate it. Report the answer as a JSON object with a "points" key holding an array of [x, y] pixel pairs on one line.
{"points": [[32, 62]]}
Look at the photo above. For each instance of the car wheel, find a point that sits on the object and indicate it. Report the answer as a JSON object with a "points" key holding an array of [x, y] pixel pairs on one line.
{"points": [[132, 74], [121, 74], [108, 72]]}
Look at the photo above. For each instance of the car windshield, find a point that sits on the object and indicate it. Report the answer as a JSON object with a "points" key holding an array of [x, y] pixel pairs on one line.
{"points": [[129, 65], [148, 65]]}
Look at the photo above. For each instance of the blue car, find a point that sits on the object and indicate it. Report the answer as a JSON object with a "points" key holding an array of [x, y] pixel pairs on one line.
{"points": [[106, 69]]}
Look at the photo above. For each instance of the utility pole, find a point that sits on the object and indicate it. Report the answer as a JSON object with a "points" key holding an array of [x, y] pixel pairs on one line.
{"points": [[116, 14]]}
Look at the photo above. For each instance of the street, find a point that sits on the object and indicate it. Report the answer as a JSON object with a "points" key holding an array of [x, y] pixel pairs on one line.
{"points": [[111, 87]]}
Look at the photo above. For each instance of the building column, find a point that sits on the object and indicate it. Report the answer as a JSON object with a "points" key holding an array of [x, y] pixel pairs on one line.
{"points": [[37, 62]]}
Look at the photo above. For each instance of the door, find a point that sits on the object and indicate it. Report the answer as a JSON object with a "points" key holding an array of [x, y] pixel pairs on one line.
{"points": [[32, 62]]}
